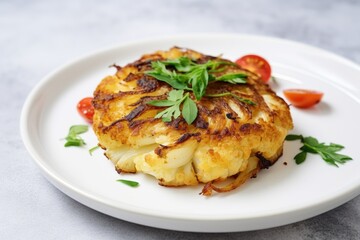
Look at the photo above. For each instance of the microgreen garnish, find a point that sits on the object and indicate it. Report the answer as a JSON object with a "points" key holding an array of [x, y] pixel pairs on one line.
{"points": [[247, 101], [311, 145], [175, 99], [128, 182], [185, 75], [73, 138]]}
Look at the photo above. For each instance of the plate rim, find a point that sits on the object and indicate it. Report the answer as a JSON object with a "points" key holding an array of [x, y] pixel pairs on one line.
{"points": [[76, 193]]}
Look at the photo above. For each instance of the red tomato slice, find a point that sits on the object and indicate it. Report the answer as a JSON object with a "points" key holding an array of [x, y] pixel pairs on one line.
{"points": [[257, 65], [86, 109], [303, 98]]}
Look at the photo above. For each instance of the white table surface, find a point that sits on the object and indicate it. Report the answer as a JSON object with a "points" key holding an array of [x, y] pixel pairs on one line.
{"points": [[38, 36]]}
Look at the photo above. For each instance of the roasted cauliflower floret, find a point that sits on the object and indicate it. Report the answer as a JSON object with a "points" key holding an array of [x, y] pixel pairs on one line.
{"points": [[228, 138]]}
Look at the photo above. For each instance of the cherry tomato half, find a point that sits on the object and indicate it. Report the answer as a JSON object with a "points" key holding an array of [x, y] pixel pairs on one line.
{"points": [[303, 98], [257, 65], [86, 109]]}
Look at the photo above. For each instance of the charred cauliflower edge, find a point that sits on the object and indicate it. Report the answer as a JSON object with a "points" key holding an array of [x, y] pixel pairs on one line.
{"points": [[228, 139]]}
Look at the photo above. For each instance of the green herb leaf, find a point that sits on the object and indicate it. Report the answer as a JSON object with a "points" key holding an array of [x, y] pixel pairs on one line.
{"points": [[308, 149], [175, 99], [189, 110], [78, 129], [234, 78], [300, 157], [175, 95], [292, 137], [128, 182], [74, 142], [169, 80], [310, 141], [199, 79], [167, 114], [327, 152], [182, 64], [161, 103], [73, 138], [161, 73]]}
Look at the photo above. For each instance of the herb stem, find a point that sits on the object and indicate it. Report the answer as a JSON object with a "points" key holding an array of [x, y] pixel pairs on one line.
{"points": [[244, 100]]}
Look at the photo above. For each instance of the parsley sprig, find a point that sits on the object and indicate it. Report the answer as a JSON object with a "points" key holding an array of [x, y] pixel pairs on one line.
{"points": [[185, 75], [175, 99], [327, 152]]}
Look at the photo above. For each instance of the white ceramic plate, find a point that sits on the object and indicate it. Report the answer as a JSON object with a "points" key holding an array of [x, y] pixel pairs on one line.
{"points": [[280, 195]]}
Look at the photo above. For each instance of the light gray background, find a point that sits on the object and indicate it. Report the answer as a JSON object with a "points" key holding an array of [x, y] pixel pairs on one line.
{"points": [[38, 36]]}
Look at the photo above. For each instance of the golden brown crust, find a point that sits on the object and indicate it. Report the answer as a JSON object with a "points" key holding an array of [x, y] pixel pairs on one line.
{"points": [[221, 140]]}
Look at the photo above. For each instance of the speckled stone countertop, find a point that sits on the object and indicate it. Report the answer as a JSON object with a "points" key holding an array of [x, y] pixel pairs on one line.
{"points": [[38, 36]]}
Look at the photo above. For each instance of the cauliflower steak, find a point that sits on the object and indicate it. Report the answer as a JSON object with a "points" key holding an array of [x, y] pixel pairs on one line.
{"points": [[238, 130]]}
